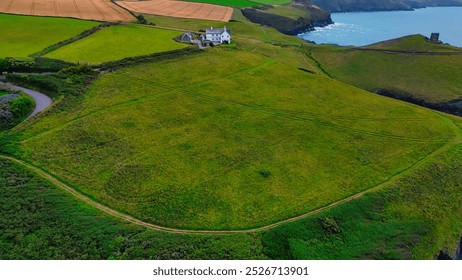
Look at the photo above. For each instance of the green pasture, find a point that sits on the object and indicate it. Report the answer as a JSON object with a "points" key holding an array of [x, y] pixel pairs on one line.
{"points": [[412, 43], [234, 138], [408, 220], [25, 35], [287, 11], [230, 3], [431, 77], [118, 42], [191, 149], [273, 2]]}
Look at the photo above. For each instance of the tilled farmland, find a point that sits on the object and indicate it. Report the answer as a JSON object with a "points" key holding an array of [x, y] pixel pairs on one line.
{"points": [[102, 10], [180, 9]]}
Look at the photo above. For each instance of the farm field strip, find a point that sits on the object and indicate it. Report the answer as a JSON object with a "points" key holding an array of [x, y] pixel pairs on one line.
{"points": [[180, 9], [101, 10], [118, 42], [25, 35]]}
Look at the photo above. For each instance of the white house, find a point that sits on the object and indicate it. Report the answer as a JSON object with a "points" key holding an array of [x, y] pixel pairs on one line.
{"points": [[218, 35]]}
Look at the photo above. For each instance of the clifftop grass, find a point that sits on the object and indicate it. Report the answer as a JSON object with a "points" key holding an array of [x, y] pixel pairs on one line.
{"points": [[433, 77]]}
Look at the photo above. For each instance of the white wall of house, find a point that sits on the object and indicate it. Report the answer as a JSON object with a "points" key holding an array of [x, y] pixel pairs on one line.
{"points": [[219, 38]]}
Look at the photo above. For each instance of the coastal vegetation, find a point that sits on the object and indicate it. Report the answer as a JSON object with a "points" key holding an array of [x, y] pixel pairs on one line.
{"points": [[201, 123], [408, 66], [231, 138]]}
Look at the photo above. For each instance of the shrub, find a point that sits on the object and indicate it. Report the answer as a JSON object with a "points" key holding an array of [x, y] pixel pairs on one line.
{"points": [[141, 19], [329, 225], [21, 105], [84, 69]]}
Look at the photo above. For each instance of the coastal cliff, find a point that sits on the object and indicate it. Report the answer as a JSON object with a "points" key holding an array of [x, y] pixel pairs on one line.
{"points": [[295, 18]]}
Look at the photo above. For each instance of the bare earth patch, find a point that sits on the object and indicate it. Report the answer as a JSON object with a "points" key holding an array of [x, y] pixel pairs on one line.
{"points": [[180, 9], [102, 10]]}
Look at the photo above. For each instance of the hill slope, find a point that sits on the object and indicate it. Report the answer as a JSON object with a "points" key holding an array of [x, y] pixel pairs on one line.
{"points": [[409, 68], [191, 149]]}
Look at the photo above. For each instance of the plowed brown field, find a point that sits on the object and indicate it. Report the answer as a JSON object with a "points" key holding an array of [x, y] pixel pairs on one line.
{"points": [[180, 9], [103, 10]]}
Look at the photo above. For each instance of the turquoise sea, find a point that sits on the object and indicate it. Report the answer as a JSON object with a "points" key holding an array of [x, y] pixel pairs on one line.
{"points": [[364, 28]]}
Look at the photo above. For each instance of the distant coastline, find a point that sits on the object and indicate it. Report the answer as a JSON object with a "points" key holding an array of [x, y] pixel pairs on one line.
{"points": [[348, 6], [365, 28]]}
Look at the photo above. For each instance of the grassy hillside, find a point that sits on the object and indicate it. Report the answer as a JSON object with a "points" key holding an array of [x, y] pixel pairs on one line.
{"points": [[410, 219], [287, 11], [412, 43], [231, 3], [118, 42], [25, 35], [433, 77], [273, 2], [190, 149], [234, 137], [39, 221]]}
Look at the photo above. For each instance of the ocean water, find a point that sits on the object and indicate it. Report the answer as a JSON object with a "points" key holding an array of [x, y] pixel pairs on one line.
{"points": [[365, 28]]}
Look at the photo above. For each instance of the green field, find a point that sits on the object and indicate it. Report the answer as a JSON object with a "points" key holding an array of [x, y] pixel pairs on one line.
{"points": [[433, 77], [25, 35], [230, 3], [118, 42], [39, 221], [408, 220], [287, 11], [190, 149], [273, 2], [236, 137], [242, 3], [412, 43]]}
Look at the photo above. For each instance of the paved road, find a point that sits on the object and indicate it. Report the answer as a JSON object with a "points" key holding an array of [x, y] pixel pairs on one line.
{"points": [[41, 100]]}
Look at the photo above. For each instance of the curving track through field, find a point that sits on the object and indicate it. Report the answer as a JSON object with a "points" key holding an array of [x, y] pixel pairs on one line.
{"points": [[133, 220]]}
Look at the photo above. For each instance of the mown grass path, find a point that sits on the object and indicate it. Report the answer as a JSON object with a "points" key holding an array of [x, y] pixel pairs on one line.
{"points": [[456, 140]]}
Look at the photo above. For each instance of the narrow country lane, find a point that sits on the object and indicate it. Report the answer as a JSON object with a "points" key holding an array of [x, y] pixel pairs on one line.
{"points": [[41, 100]]}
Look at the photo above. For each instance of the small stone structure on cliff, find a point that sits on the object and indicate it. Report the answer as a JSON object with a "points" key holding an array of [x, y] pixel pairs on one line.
{"points": [[435, 38]]}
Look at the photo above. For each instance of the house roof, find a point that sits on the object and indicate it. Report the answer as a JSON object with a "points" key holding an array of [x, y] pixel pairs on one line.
{"points": [[220, 31], [186, 36]]}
